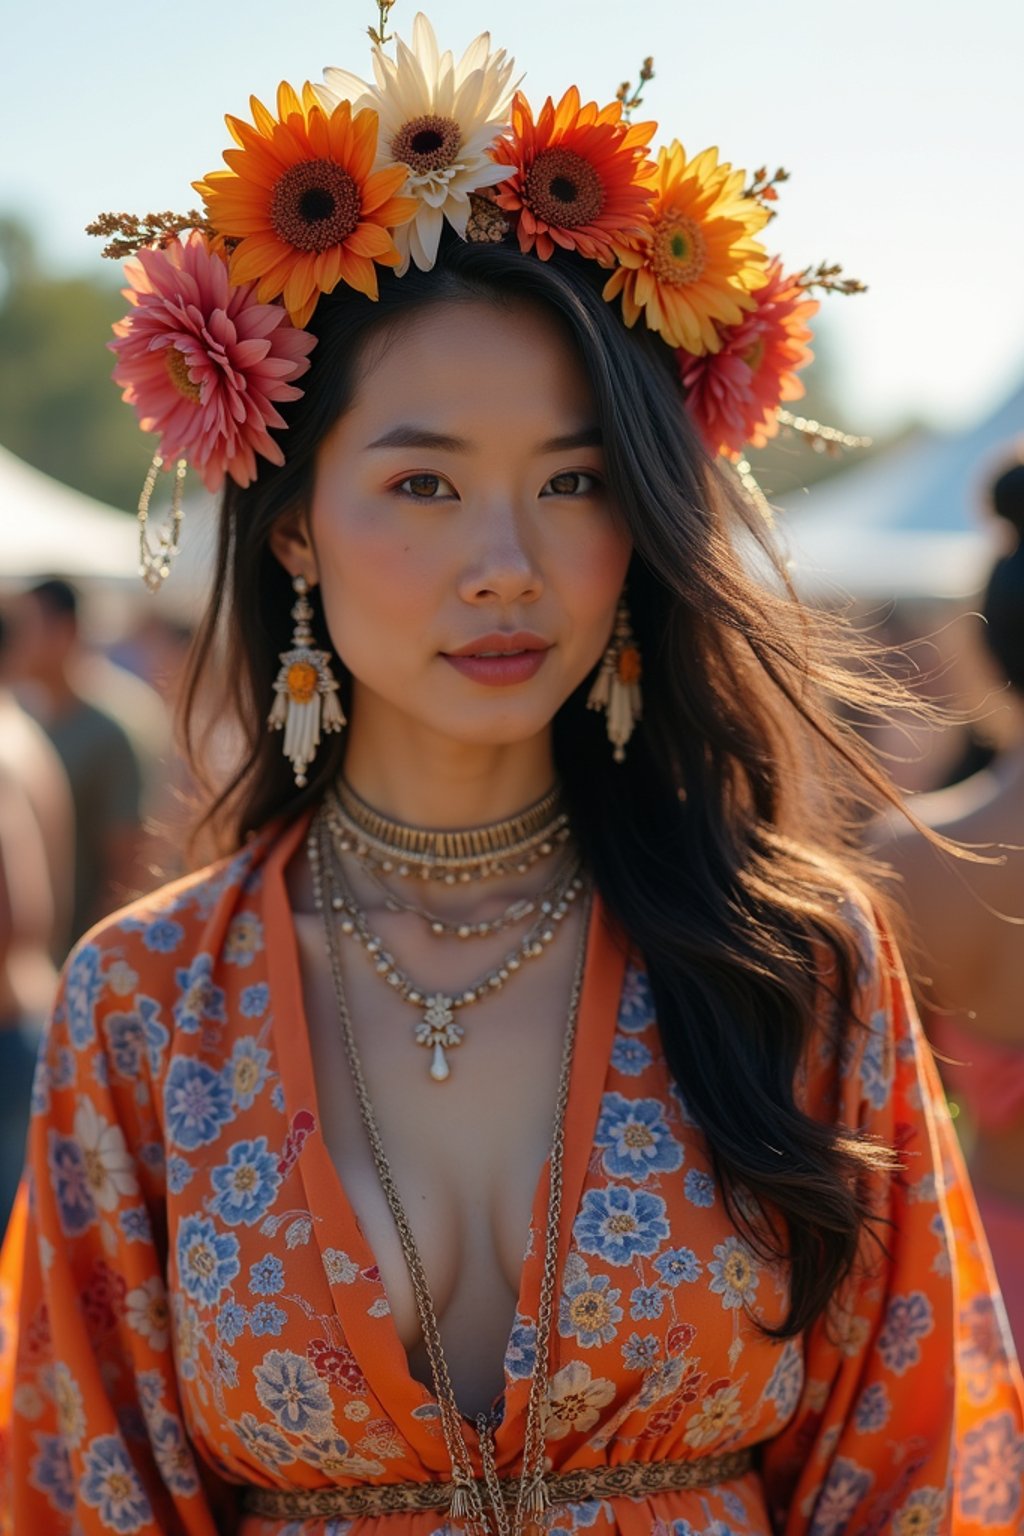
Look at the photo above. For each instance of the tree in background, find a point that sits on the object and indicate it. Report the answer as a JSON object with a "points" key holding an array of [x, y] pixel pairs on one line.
{"points": [[58, 408]]}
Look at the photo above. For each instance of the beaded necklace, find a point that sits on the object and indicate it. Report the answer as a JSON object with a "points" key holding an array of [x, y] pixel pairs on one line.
{"points": [[467, 1505]]}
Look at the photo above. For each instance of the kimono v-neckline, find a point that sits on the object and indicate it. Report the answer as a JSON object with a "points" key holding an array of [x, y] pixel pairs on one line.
{"points": [[368, 1327]]}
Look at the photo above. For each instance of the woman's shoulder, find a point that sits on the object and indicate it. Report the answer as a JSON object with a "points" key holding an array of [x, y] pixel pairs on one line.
{"points": [[190, 921]]}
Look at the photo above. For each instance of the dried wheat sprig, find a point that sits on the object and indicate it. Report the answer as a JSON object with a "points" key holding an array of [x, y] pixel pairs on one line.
{"points": [[629, 98], [133, 233], [827, 276], [379, 35], [762, 187]]}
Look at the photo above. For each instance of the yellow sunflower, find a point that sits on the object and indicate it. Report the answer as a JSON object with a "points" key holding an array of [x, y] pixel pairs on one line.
{"points": [[701, 263], [303, 201]]}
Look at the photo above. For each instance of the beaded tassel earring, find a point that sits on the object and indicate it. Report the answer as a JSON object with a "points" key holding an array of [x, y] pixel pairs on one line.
{"points": [[616, 687], [306, 692]]}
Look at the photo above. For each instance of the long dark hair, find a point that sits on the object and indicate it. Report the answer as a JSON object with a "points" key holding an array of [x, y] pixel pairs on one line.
{"points": [[722, 841]]}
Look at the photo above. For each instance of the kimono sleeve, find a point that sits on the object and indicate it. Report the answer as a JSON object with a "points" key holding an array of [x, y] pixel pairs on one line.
{"points": [[911, 1418], [92, 1438]]}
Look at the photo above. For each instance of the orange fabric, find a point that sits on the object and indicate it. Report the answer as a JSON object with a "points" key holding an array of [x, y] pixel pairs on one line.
{"points": [[190, 1304]]}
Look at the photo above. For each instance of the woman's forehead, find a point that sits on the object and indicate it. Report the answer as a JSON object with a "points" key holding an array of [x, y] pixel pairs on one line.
{"points": [[474, 362]]}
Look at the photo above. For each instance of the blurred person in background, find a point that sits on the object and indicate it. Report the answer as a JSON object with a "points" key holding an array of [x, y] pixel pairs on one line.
{"points": [[969, 962], [34, 812], [102, 764], [28, 755], [155, 650]]}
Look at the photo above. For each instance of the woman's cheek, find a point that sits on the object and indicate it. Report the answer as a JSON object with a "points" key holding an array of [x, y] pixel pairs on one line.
{"points": [[593, 573]]}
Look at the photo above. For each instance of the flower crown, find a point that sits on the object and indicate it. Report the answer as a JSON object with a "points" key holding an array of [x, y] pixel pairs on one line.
{"points": [[350, 176]]}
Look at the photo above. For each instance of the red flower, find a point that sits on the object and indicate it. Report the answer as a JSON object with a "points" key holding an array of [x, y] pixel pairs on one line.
{"points": [[734, 393], [103, 1298], [337, 1365]]}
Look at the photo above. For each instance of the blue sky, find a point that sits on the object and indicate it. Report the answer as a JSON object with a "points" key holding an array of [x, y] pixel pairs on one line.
{"points": [[899, 120]]}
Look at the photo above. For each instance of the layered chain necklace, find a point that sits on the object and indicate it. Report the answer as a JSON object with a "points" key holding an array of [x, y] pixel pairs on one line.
{"points": [[438, 1029], [531, 1495], [504, 847]]}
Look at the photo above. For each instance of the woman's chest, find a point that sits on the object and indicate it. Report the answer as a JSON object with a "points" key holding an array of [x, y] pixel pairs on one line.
{"points": [[466, 1153]]}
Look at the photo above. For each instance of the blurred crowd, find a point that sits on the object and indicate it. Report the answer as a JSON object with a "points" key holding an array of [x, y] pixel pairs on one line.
{"points": [[95, 805], [92, 804]]}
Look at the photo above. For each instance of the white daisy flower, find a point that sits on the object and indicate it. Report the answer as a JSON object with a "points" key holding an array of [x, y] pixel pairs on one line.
{"points": [[109, 1166], [438, 118], [148, 1312]]}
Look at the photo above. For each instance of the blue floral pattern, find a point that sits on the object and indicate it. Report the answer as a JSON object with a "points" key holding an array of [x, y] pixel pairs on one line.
{"points": [[908, 1320], [197, 1102], [246, 1184], [588, 1310], [111, 1486], [82, 988], [198, 998], [616, 1223], [207, 1259], [636, 1138], [298, 1398], [178, 1167]]}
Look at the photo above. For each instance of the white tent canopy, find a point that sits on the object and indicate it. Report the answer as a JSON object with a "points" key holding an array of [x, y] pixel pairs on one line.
{"points": [[48, 528], [910, 522]]}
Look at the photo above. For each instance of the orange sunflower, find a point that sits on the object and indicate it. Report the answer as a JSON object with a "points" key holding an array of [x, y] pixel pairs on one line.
{"points": [[304, 203], [700, 263], [581, 176]]}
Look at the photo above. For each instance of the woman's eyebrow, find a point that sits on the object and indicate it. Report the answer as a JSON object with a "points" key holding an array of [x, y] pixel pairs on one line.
{"points": [[586, 437], [407, 435]]}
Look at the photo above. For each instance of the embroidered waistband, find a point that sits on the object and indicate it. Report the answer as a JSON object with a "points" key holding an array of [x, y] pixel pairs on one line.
{"points": [[630, 1479]]}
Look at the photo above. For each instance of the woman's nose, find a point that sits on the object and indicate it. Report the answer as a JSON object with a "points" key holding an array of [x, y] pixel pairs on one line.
{"points": [[502, 567]]}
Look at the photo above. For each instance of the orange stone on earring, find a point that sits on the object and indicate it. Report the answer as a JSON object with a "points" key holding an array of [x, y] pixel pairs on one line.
{"points": [[629, 665], [302, 680]]}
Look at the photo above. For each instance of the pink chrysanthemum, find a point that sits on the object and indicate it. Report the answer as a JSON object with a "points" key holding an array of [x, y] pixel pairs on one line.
{"points": [[733, 394], [202, 362]]}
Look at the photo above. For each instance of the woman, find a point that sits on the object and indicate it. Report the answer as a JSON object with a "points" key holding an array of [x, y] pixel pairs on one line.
{"points": [[971, 963], [525, 1122]]}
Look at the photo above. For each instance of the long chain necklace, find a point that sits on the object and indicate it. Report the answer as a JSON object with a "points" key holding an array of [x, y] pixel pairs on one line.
{"points": [[456, 857], [438, 1029], [467, 1504]]}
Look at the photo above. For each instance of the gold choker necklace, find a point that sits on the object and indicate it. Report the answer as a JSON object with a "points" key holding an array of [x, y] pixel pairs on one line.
{"points": [[496, 840], [511, 846]]}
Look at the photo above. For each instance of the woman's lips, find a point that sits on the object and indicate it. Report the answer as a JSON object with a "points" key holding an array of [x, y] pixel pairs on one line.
{"points": [[500, 659], [499, 671]]}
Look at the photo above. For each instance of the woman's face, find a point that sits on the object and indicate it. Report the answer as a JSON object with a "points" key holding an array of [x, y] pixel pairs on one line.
{"points": [[469, 556]]}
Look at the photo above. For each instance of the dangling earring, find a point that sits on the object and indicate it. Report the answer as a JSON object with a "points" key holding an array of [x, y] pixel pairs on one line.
{"points": [[306, 691], [616, 687]]}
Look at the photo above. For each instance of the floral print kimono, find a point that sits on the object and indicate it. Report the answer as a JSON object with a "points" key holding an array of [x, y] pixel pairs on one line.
{"points": [[190, 1306]]}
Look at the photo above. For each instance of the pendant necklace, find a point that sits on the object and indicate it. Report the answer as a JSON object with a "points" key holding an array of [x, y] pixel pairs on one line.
{"points": [[438, 1029]]}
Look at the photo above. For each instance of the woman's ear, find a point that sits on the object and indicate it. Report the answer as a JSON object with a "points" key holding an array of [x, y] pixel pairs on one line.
{"points": [[291, 544]]}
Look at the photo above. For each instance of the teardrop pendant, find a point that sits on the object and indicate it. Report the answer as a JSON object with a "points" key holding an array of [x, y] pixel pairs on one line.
{"points": [[439, 1068], [438, 1031]]}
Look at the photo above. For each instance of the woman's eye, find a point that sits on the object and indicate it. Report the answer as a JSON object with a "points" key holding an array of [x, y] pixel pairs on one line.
{"points": [[427, 487], [572, 482]]}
